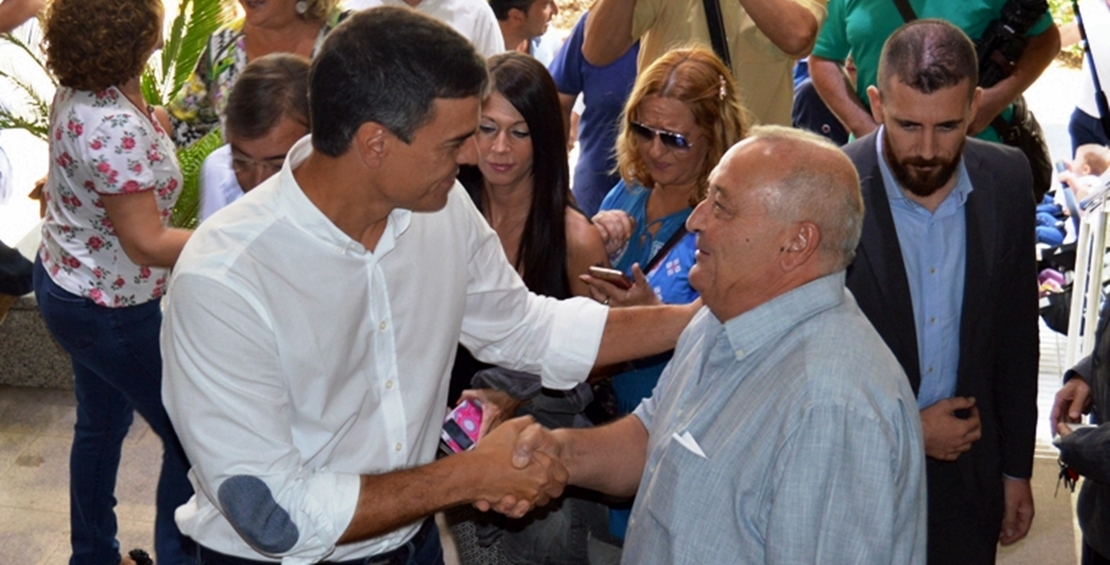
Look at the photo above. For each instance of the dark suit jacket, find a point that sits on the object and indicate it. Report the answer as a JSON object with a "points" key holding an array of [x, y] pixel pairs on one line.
{"points": [[998, 323], [1088, 451]]}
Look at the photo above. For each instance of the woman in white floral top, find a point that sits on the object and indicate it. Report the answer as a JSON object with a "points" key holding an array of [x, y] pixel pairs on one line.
{"points": [[268, 26], [105, 259]]}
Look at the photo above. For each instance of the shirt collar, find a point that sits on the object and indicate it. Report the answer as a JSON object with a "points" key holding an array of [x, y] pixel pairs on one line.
{"points": [[769, 321], [305, 215], [894, 192]]}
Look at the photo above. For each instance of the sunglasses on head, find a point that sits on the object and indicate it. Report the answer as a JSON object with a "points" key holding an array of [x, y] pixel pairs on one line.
{"points": [[670, 139]]}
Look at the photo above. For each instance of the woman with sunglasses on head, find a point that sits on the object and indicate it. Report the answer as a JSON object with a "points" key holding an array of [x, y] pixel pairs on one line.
{"points": [[105, 259], [682, 115]]}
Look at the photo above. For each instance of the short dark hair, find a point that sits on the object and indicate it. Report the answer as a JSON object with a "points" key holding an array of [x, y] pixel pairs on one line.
{"points": [[501, 7], [93, 44], [388, 65], [272, 87], [928, 55], [541, 254]]}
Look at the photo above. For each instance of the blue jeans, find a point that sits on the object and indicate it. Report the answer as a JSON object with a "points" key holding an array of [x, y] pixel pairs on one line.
{"points": [[117, 369]]}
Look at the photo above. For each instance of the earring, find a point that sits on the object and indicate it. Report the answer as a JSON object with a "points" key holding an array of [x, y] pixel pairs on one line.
{"points": [[301, 7]]}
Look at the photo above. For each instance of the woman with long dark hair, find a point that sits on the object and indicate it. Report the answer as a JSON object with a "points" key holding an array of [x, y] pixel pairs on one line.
{"points": [[521, 185], [522, 182]]}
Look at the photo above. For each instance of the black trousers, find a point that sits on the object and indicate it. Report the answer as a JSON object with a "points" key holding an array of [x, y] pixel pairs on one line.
{"points": [[15, 272], [1092, 557], [958, 532]]}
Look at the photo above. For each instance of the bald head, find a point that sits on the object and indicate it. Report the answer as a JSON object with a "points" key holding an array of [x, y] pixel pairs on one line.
{"points": [[784, 209], [808, 179]]}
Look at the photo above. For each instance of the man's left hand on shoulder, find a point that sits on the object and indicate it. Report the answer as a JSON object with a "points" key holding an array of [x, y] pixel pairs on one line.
{"points": [[1018, 515]]}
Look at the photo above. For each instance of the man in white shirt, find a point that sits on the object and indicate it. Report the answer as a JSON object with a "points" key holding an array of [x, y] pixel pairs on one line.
{"points": [[474, 19], [311, 328], [524, 25]]}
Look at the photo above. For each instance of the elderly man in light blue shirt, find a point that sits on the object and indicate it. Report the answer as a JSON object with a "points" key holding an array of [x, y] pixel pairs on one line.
{"points": [[784, 430]]}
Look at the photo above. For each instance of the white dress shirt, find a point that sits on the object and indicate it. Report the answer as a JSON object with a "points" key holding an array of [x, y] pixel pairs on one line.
{"points": [[294, 356], [218, 185], [473, 19]]}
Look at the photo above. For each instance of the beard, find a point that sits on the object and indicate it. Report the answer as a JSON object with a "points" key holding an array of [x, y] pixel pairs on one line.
{"points": [[922, 183]]}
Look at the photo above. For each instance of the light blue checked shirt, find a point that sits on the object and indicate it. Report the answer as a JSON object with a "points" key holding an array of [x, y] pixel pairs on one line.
{"points": [[788, 434]]}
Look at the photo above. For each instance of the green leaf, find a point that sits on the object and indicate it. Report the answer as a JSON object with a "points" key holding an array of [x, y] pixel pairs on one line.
{"points": [[190, 159], [194, 22]]}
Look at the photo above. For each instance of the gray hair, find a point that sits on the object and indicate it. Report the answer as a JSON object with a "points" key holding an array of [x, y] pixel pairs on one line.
{"points": [[822, 187]]}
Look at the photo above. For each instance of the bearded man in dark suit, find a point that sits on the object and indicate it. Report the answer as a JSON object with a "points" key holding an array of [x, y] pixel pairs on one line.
{"points": [[945, 271]]}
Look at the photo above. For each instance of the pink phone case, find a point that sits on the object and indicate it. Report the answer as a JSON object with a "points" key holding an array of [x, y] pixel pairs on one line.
{"points": [[461, 427]]}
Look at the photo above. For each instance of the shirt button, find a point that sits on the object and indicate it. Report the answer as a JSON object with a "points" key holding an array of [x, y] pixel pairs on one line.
{"points": [[932, 270], [388, 384], [932, 320], [397, 447], [382, 325], [930, 369]]}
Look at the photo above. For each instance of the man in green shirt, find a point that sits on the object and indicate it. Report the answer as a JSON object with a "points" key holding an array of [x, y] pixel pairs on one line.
{"points": [[860, 27]]}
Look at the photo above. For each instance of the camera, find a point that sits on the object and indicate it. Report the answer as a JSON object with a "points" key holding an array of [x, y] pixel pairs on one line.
{"points": [[1002, 43]]}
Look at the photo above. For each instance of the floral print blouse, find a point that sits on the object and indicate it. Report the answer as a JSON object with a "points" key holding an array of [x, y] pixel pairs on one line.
{"points": [[101, 144], [198, 106]]}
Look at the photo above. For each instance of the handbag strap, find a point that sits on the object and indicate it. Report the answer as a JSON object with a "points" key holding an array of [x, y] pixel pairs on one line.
{"points": [[906, 10], [1100, 94], [717, 34], [662, 253]]}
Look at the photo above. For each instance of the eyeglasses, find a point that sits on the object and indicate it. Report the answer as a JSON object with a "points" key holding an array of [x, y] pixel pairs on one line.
{"points": [[675, 141], [246, 165]]}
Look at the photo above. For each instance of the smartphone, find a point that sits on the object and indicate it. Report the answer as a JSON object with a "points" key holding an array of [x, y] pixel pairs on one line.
{"points": [[617, 278], [1073, 426], [461, 427]]}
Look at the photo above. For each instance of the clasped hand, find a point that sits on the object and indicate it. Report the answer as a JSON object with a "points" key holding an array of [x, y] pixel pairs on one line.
{"points": [[615, 227], [947, 436], [512, 483]]}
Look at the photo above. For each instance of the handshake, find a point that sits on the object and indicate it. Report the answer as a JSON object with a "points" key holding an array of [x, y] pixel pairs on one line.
{"points": [[516, 467]]}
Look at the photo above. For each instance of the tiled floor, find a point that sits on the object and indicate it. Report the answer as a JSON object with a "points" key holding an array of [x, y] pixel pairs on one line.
{"points": [[36, 427]]}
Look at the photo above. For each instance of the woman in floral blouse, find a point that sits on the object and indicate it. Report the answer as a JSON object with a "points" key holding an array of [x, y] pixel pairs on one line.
{"points": [[105, 258], [269, 26]]}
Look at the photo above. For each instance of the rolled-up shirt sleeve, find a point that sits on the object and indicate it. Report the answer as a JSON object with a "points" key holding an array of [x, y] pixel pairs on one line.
{"points": [[230, 406], [508, 326]]}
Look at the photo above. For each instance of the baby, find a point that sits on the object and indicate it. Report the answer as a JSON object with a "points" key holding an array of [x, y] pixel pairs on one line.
{"points": [[1091, 161]]}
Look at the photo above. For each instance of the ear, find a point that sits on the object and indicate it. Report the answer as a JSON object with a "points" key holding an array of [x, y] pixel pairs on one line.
{"points": [[976, 98], [803, 243], [517, 16], [876, 99], [372, 143]]}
